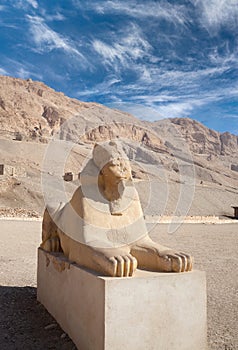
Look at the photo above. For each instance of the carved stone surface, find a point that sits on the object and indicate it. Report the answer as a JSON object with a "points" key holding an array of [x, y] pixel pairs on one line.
{"points": [[148, 311], [102, 227]]}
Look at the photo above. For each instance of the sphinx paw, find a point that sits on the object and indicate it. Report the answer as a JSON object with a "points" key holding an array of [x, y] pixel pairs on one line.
{"points": [[176, 261], [122, 265]]}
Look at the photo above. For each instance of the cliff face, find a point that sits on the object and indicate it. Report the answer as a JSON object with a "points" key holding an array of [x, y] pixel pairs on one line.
{"points": [[33, 111], [36, 112], [169, 150], [203, 140]]}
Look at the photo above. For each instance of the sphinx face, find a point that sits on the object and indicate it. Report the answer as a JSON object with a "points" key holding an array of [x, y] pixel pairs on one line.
{"points": [[117, 170]]}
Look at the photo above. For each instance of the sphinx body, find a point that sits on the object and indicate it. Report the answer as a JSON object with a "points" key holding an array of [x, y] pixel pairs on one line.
{"points": [[102, 227]]}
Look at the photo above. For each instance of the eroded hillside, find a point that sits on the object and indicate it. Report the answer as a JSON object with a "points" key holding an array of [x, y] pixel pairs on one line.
{"points": [[174, 156]]}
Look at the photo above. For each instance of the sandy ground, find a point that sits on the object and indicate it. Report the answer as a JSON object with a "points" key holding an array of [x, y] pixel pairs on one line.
{"points": [[24, 324]]}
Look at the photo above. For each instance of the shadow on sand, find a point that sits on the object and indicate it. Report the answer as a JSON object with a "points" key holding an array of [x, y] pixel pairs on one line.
{"points": [[23, 321], [229, 217]]}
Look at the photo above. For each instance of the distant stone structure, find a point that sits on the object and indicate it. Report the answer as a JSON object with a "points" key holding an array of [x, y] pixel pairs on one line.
{"points": [[68, 176], [235, 212], [234, 167], [18, 136], [9, 170]]}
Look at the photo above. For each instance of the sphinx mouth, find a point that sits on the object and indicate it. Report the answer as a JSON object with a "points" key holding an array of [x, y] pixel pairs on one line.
{"points": [[121, 177]]}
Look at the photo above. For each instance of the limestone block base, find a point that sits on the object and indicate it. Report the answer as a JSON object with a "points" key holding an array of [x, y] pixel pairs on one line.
{"points": [[150, 311]]}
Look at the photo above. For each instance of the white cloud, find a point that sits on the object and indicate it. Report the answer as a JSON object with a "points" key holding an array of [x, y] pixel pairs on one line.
{"points": [[145, 75], [156, 98], [47, 39], [138, 110], [178, 110], [2, 7], [228, 58], [216, 13], [153, 79], [151, 113], [23, 73], [182, 92], [3, 71], [139, 9], [154, 106], [130, 45], [56, 16], [190, 77], [33, 3], [103, 88], [24, 4], [17, 69], [109, 53]]}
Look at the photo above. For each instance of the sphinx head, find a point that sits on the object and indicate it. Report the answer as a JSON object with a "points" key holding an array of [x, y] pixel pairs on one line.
{"points": [[113, 164]]}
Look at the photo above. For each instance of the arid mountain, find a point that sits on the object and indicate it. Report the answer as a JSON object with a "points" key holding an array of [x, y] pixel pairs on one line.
{"points": [[167, 154], [35, 112], [206, 141]]}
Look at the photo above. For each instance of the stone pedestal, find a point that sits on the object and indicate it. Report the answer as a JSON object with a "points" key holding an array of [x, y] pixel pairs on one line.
{"points": [[150, 311]]}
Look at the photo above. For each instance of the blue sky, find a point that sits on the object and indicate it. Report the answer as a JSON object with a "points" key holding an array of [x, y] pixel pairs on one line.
{"points": [[154, 59]]}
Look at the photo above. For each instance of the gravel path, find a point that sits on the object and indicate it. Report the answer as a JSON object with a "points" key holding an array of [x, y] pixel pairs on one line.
{"points": [[24, 323], [215, 250]]}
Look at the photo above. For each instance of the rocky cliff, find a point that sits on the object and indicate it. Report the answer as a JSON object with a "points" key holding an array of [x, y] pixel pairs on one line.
{"points": [[30, 110], [173, 150]]}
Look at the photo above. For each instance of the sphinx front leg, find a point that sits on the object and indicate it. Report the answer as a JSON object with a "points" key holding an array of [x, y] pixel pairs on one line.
{"points": [[113, 262], [155, 257]]}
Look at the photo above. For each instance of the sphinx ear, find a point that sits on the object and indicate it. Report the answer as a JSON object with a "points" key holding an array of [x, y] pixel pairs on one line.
{"points": [[101, 180]]}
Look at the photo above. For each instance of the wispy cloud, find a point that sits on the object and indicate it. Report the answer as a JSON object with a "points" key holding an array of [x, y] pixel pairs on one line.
{"points": [[17, 69], [138, 110], [47, 39], [3, 71], [24, 4], [217, 13], [50, 17], [190, 78], [23, 73], [33, 3], [227, 58], [131, 45], [159, 80], [103, 88], [54, 17], [157, 112], [177, 108], [175, 14], [165, 94]]}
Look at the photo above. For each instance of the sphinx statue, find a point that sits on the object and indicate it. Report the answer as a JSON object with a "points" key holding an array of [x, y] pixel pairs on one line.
{"points": [[102, 227]]}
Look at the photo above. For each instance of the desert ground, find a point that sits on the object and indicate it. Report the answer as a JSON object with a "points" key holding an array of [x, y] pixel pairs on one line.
{"points": [[24, 323]]}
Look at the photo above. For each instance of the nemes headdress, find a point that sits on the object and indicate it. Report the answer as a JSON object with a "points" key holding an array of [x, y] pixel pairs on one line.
{"points": [[107, 151]]}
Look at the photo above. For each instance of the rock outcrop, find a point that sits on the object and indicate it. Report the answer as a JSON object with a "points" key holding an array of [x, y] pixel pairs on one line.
{"points": [[203, 140]]}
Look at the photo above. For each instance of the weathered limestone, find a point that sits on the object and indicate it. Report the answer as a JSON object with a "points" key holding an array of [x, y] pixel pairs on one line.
{"points": [[102, 227], [154, 311]]}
